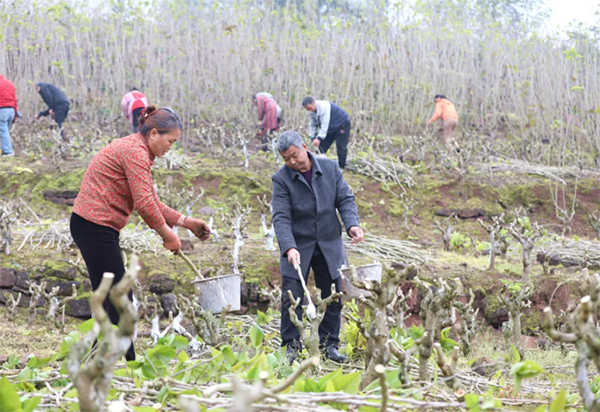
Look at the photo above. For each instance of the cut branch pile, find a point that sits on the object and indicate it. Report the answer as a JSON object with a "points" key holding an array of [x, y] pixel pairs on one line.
{"points": [[57, 236], [575, 252], [555, 173], [386, 171], [139, 241], [383, 249]]}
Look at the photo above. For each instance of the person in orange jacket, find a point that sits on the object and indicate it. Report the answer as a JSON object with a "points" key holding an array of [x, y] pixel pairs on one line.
{"points": [[445, 109]]}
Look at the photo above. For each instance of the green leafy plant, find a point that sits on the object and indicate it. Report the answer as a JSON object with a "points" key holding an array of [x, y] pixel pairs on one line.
{"points": [[485, 402], [458, 241], [10, 400], [524, 370]]}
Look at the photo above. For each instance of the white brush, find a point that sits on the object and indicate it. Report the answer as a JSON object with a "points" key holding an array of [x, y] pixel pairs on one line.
{"points": [[311, 310]]}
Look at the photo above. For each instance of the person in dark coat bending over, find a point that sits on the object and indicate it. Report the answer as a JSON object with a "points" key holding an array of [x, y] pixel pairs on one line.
{"points": [[307, 194], [58, 104], [328, 122]]}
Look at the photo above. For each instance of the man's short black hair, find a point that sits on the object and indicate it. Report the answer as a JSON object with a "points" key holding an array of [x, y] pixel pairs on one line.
{"points": [[307, 100], [439, 96]]}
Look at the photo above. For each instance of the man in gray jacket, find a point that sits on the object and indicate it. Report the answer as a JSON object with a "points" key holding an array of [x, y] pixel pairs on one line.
{"points": [[307, 194]]}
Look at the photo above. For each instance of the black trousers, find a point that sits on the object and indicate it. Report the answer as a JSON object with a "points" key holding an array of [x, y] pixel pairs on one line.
{"points": [[341, 137], [329, 331], [136, 119], [99, 246], [60, 115]]}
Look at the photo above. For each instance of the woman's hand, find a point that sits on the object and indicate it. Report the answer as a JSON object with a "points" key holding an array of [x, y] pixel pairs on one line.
{"points": [[172, 242], [198, 227], [170, 239]]}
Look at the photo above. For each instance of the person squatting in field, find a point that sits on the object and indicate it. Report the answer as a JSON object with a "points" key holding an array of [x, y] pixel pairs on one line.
{"points": [[328, 122], [308, 193], [132, 104], [117, 181], [445, 110], [57, 102]]}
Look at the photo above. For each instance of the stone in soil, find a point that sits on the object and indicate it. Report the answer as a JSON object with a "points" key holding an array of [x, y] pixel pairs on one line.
{"points": [[79, 308], [160, 284], [168, 302], [7, 277]]}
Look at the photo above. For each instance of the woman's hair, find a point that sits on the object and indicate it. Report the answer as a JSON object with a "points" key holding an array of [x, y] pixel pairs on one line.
{"points": [[440, 96], [163, 119]]}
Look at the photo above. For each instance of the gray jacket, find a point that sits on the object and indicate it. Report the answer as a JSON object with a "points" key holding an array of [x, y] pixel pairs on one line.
{"points": [[304, 217]]}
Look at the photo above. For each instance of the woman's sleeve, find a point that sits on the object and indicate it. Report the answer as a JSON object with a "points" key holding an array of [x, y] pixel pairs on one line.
{"points": [[170, 215], [139, 177]]}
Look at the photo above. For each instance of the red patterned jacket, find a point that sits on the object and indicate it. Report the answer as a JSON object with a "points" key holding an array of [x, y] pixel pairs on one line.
{"points": [[119, 180], [267, 114], [8, 94]]}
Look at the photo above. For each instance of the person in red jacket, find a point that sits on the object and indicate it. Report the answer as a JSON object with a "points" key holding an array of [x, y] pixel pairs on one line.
{"points": [[267, 116], [445, 110], [132, 104], [8, 114], [117, 181]]}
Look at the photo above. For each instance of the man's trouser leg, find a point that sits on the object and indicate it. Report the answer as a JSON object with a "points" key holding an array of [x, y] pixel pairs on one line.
{"points": [[448, 128], [60, 115], [289, 333], [329, 330], [7, 116], [341, 143], [327, 142]]}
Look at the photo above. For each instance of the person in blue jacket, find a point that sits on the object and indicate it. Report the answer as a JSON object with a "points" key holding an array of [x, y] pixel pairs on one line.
{"points": [[58, 104], [328, 122]]}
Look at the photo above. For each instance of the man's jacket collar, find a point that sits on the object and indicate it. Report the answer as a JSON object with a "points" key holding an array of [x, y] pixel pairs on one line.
{"points": [[316, 168]]}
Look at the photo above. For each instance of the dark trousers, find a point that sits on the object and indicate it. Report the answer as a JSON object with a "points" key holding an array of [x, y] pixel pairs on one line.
{"points": [[99, 246], [60, 115], [265, 140], [329, 330], [136, 119], [341, 137]]}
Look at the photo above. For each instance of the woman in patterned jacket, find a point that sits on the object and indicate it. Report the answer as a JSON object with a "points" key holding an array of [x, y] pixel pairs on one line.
{"points": [[117, 181]]}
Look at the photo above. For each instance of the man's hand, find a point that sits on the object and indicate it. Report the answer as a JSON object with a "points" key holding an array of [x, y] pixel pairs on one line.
{"points": [[51, 112], [37, 116], [316, 142], [293, 256], [198, 227], [356, 233]]}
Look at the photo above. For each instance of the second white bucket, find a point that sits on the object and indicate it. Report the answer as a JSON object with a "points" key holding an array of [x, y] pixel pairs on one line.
{"points": [[218, 292]]}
